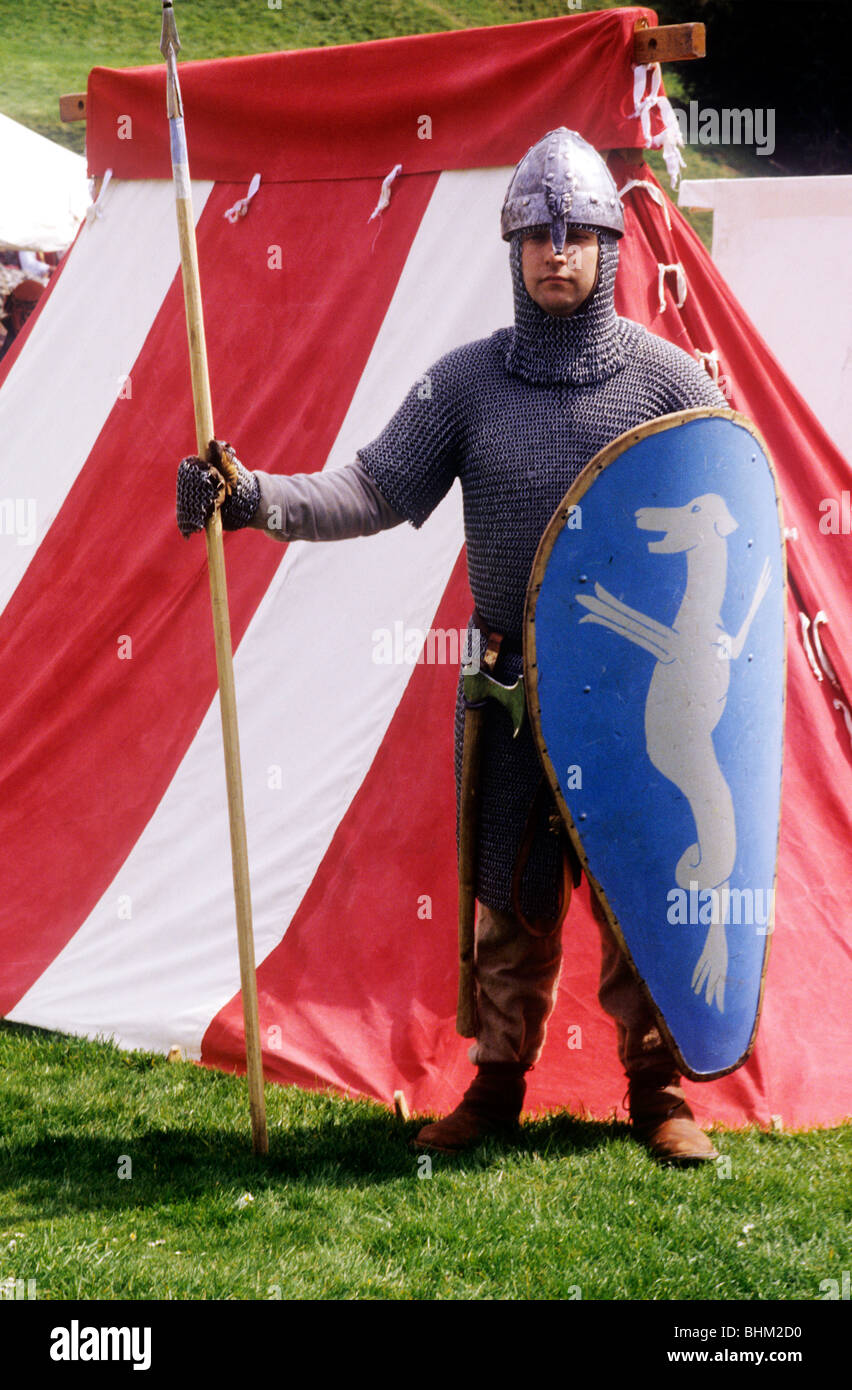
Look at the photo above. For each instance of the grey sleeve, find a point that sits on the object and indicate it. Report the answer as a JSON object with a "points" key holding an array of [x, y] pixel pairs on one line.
{"points": [[333, 506]]}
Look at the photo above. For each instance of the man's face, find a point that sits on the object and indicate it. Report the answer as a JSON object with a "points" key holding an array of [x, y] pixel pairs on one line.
{"points": [[559, 284]]}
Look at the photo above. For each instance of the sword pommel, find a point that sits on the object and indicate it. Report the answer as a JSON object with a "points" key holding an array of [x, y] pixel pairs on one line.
{"points": [[169, 36]]}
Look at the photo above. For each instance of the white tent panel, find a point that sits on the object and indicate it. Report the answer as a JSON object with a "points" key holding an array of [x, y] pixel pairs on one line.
{"points": [[783, 246], [44, 191]]}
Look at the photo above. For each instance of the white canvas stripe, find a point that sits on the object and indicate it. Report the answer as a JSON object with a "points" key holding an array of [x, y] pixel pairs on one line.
{"points": [[760, 232], [312, 701], [58, 394]]}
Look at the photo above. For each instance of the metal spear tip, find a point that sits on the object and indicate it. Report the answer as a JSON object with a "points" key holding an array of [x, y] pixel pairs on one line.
{"points": [[169, 36]]}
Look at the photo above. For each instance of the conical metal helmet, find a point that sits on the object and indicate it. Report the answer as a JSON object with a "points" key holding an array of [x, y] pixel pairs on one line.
{"points": [[560, 180]]}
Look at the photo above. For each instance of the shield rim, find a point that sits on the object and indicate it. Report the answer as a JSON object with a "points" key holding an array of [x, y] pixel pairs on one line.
{"points": [[553, 530]]}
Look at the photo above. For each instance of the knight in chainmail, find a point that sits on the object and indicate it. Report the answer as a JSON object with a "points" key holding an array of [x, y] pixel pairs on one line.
{"points": [[515, 417]]}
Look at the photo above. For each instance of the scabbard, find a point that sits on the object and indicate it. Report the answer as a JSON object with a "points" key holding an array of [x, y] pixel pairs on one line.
{"points": [[466, 1014], [466, 1019]]}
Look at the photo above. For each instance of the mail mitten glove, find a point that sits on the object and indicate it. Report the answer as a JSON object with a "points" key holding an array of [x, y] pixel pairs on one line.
{"points": [[200, 483], [197, 491]]}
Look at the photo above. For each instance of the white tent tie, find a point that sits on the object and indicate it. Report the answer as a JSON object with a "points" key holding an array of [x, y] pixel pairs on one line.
{"points": [[847, 716], [818, 658], [710, 363], [384, 196], [670, 139], [680, 280], [95, 209], [650, 188], [643, 105], [804, 627], [822, 658], [240, 208]]}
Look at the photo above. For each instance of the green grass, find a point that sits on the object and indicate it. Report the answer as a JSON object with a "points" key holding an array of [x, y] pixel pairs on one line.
{"points": [[339, 1210]]}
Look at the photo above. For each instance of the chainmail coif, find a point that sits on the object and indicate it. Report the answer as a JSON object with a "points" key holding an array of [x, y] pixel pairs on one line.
{"points": [[516, 417], [589, 345]]}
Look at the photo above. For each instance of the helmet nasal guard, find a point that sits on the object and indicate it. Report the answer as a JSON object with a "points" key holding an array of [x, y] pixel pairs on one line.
{"points": [[560, 181]]}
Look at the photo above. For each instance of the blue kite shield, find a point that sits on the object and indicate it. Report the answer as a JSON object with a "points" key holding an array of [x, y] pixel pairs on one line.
{"points": [[655, 663]]}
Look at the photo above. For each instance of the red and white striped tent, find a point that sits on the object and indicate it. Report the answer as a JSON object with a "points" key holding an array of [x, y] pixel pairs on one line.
{"points": [[116, 910]]}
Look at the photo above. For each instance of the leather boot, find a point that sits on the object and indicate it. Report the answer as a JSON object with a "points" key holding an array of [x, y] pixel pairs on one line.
{"points": [[490, 1105], [664, 1122]]}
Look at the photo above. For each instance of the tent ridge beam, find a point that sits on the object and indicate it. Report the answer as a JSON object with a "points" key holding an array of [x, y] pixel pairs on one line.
{"points": [[668, 43], [72, 107]]}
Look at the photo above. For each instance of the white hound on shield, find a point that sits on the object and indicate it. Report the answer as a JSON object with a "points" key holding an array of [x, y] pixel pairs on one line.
{"points": [[687, 696]]}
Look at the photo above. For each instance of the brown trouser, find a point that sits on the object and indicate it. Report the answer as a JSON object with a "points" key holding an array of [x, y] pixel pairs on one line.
{"points": [[517, 975]]}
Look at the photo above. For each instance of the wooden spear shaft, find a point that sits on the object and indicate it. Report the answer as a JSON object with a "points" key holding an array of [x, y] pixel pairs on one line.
{"points": [[169, 46]]}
